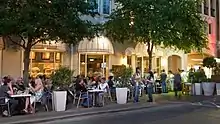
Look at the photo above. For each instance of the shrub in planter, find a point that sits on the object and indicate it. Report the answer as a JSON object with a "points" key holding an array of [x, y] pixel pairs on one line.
{"points": [[197, 78], [208, 87], [122, 85], [61, 80]]}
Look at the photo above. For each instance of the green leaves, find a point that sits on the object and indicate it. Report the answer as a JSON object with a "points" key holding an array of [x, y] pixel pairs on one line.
{"points": [[123, 76], [62, 76], [42, 20], [209, 62], [162, 22]]}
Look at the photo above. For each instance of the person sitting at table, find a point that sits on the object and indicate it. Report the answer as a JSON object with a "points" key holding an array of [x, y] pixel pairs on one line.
{"points": [[19, 85], [5, 91], [81, 88], [103, 86], [91, 82], [37, 90]]}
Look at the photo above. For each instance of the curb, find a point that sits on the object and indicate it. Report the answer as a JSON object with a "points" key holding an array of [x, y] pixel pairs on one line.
{"points": [[81, 114]]}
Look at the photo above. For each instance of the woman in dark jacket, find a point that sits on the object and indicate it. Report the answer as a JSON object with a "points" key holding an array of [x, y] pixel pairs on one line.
{"points": [[177, 83], [149, 85], [81, 88]]}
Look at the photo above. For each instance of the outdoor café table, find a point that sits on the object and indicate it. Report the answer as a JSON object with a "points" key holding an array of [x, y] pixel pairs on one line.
{"points": [[94, 92], [20, 95], [21, 103]]}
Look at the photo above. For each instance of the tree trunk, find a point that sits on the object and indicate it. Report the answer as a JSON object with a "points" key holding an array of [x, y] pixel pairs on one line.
{"points": [[150, 54], [150, 47], [26, 65]]}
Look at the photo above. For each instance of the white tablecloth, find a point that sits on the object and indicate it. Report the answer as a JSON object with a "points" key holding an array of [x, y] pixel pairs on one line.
{"points": [[95, 90], [21, 95]]}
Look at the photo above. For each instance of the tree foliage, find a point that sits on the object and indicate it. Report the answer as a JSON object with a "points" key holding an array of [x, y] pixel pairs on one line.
{"points": [[209, 62], [42, 20], [34, 21], [167, 23]]}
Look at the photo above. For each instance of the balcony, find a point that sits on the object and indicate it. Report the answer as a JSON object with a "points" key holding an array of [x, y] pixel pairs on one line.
{"points": [[206, 10], [212, 12]]}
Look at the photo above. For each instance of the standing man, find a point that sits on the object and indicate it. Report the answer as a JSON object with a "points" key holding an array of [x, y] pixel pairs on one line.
{"points": [[163, 78]]}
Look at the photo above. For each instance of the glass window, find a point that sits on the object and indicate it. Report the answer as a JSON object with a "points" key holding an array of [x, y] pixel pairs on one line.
{"points": [[82, 64], [129, 61], [158, 65], [210, 28], [95, 4], [33, 55], [57, 56], [45, 56], [106, 6]]}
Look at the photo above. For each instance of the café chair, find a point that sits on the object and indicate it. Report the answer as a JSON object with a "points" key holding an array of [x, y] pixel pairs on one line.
{"points": [[107, 95], [4, 103], [78, 97], [46, 95]]}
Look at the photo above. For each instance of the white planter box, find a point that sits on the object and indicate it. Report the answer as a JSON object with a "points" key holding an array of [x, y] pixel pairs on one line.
{"points": [[218, 88], [121, 95], [59, 100], [197, 89], [208, 88]]}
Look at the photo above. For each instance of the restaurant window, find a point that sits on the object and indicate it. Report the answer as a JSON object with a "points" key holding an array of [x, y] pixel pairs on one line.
{"points": [[45, 56], [33, 55], [158, 65], [58, 56]]}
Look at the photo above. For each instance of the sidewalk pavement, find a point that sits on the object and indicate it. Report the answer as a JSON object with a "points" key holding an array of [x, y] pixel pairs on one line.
{"points": [[51, 116], [111, 108], [169, 97]]}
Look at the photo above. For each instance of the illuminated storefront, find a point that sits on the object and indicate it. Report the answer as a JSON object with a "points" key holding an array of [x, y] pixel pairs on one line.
{"points": [[45, 58], [94, 57]]}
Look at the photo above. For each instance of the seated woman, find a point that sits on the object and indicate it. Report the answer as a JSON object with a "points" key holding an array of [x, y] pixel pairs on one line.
{"points": [[37, 90], [103, 86], [81, 88], [5, 91], [91, 82]]}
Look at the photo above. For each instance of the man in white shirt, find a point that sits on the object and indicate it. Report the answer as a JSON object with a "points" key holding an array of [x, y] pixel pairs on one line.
{"points": [[103, 86]]}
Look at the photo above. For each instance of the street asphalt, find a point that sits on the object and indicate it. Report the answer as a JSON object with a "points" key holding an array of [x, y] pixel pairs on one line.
{"points": [[165, 114]]}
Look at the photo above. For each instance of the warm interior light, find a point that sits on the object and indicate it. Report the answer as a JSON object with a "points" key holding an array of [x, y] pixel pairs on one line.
{"points": [[91, 60], [197, 59]]}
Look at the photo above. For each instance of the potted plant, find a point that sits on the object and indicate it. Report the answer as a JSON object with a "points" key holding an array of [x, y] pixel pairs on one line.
{"points": [[197, 78], [216, 78], [208, 85], [61, 79], [122, 85]]}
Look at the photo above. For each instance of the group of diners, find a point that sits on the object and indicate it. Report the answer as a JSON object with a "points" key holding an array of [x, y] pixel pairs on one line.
{"points": [[99, 83], [20, 97]]}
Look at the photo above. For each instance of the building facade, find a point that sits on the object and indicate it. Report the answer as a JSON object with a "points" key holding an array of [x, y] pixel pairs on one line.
{"points": [[100, 55]]}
